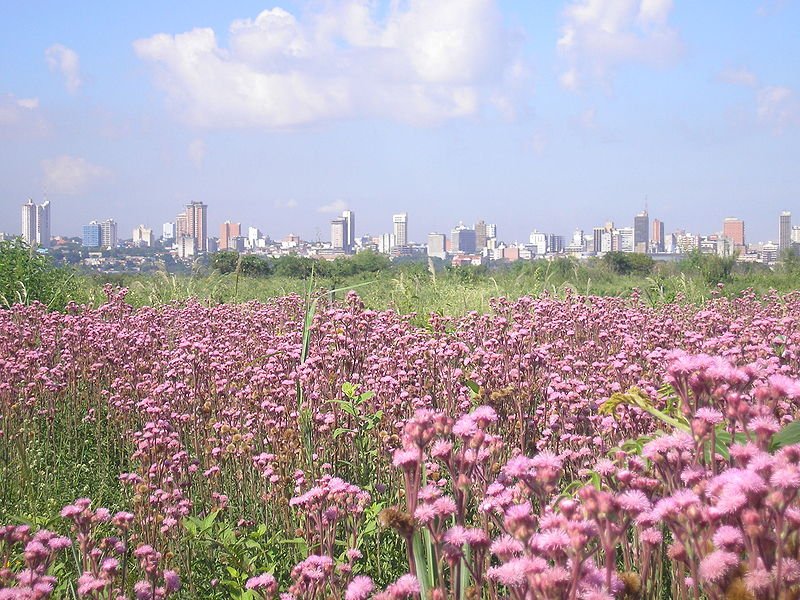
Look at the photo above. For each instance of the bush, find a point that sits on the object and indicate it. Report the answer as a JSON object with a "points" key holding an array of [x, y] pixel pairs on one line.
{"points": [[27, 276]]}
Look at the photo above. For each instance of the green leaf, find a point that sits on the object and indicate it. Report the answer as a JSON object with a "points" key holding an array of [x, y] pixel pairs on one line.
{"points": [[787, 436], [473, 387]]}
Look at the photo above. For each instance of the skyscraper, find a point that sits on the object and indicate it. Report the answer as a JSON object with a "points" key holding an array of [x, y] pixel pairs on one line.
{"points": [[784, 232], [339, 233], [400, 222], [641, 233], [349, 230], [437, 243], [463, 240], [168, 231], [29, 222], [657, 240], [143, 237], [197, 224], [43, 224], [36, 223], [480, 235], [92, 235], [108, 233], [733, 229], [228, 231]]}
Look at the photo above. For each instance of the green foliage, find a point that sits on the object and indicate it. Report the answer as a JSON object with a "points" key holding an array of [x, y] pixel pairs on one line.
{"points": [[713, 269], [27, 276], [629, 263]]}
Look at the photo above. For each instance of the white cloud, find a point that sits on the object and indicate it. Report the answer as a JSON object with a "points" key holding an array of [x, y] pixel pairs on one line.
{"points": [[423, 62], [28, 103], [197, 152], [739, 76], [71, 175], [290, 203], [336, 206], [21, 116], [777, 107], [599, 35], [65, 61]]}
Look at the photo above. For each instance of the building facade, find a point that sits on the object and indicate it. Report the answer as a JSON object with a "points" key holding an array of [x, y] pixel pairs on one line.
{"points": [[400, 229], [641, 233]]}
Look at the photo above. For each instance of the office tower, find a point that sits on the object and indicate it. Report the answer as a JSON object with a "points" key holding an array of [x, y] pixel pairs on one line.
{"points": [[349, 230], [733, 229], [182, 226], [29, 222], [784, 232], [197, 224], [627, 239], [168, 231], [539, 241], [339, 233], [400, 222], [463, 240], [657, 241], [795, 234], [480, 235], [228, 231], [108, 233], [43, 224], [641, 233], [437, 244], [143, 237], [491, 231], [253, 235], [92, 235], [555, 243], [597, 239]]}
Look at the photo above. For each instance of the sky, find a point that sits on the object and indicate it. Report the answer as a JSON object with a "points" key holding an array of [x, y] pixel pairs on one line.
{"points": [[548, 115]]}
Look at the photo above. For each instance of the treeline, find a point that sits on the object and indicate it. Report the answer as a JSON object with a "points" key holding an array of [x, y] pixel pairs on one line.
{"points": [[299, 267]]}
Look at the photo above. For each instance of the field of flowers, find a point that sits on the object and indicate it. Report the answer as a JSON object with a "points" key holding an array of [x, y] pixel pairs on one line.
{"points": [[556, 448]]}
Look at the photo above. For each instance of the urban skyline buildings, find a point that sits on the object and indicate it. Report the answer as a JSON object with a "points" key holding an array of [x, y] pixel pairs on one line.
{"points": [[400, 229], [36, 223], [784, 232]]}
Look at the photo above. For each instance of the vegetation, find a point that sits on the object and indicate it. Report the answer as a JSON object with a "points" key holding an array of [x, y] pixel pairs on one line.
{"points": [[27, 276]]}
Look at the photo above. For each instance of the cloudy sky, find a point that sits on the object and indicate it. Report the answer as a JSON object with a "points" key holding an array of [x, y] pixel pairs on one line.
{"points": [[548, 114]]}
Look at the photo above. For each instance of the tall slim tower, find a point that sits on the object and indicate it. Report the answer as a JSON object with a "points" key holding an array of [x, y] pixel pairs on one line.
{"points": [[349, 230], [197, 224], [43, 224], [657, 239], [29, 222], [641, 233], [480, 235], [784, 232], [400, 222], [339, 233]]}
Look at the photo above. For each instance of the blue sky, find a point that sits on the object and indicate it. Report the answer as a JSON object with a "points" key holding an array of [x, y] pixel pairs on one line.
{"points": [[533, 115]]}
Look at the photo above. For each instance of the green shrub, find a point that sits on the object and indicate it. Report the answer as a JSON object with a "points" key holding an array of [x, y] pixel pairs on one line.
{"points": [[27, 276]]}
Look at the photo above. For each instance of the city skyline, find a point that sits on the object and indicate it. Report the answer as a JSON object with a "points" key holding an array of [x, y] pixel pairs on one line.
{"points": [[556, 115]]}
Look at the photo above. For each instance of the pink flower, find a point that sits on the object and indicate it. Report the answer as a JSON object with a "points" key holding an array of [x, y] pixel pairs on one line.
{"points": [[360, 588], [265, 583], [715, 567]]}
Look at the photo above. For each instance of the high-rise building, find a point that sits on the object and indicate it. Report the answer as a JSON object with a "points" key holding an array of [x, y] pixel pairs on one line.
{"points": [[143, 237], [349, 230], [437, 244], [29, 222], [92, 235], [36, 223], [463, 240], [108, 233], [491, 231], [480, 235], [641, 233], [784, 232], [197, 224], [626, 237], [657, 238], [400, 222], [168, 231], [339, 233], [228, 231], [597, 239], [555, 243], [733, 229], [43, 224], [182, 226]]}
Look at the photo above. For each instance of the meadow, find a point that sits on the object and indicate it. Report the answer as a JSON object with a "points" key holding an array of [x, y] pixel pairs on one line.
{"points": [[314, 445]]}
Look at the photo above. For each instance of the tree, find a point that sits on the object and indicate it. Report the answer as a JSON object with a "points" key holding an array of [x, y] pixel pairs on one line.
{"points": [[27, 276], [629, 263]]}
